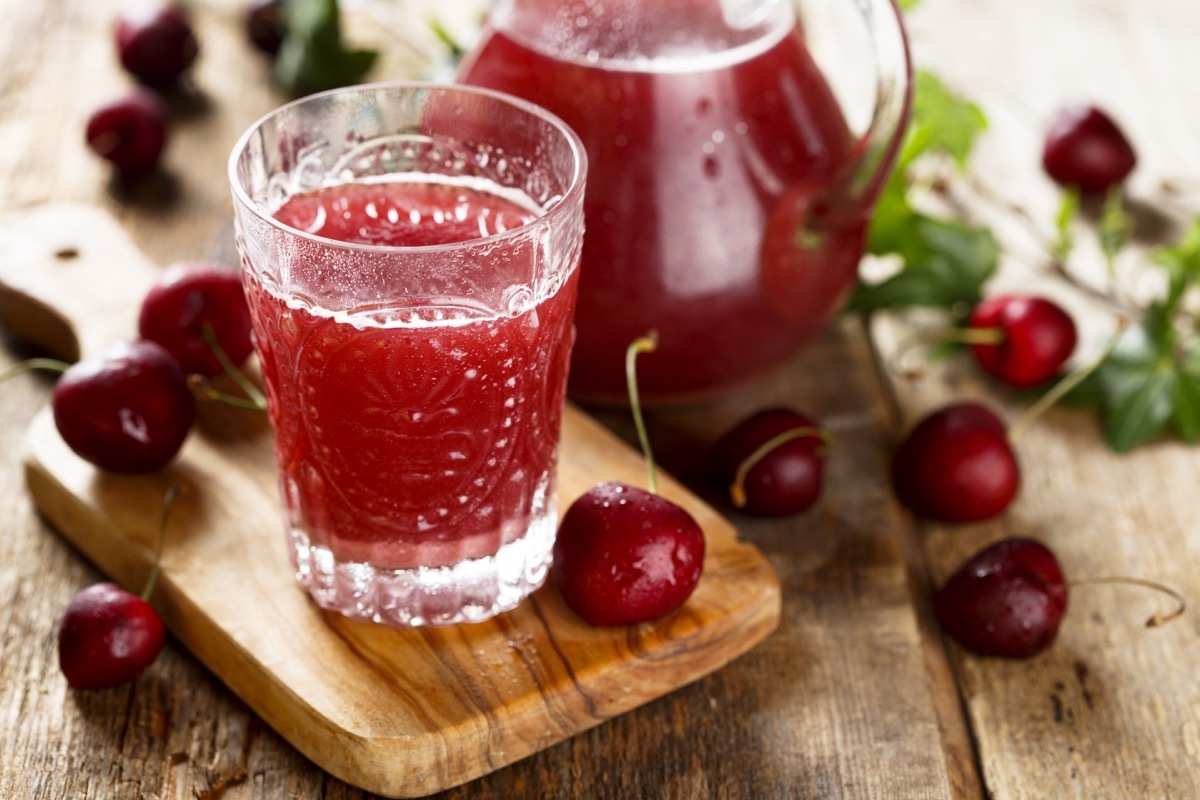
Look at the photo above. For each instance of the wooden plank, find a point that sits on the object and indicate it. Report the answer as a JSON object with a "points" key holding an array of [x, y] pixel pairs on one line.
{"points": [[837, 702], [401, 713], [1111, 709]]}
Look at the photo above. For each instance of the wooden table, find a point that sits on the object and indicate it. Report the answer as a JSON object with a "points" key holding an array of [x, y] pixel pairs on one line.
{"points": [[856, 694]]}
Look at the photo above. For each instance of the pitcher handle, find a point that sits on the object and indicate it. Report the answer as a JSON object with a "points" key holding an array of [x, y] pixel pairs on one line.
{"points": [[889, 121]]}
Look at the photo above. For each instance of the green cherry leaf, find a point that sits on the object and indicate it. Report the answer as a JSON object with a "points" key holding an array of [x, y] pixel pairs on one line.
{"points": [[942, 121], [1142, 413], [1185, 407], [313, 56], [1181, 263]]}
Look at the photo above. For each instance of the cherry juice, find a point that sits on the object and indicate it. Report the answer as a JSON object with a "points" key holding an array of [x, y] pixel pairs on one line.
{"points": [[706, 163], [412, 433]]}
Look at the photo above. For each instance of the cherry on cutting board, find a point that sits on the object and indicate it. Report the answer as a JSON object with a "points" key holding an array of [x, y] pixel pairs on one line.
{"points": [[1084, 148], [1035, 338], [1007, 600], [127, 409], [771, 462], [956, 465], [624, 555], [156, 43], [184, 299], [108, 636], [130, 133]]}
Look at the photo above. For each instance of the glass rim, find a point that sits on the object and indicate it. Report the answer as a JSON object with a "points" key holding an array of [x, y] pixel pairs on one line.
{"points": [[565, 201]]}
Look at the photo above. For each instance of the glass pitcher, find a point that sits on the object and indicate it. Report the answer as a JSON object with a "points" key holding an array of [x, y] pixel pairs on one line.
{"points": [[728, 195]]}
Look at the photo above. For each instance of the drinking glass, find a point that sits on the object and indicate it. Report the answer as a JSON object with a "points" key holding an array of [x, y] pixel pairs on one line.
{"points": [[409, 255]]}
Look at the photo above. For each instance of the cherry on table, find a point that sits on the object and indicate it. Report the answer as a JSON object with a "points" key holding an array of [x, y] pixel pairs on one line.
{"points": [[956, 465], [771, 462], [1007, 600], [127, 409], [156, 43], [1035, 338], [265, 25], [107, 637], [624, 555], [189, 297], [1086, 149], [130, 133]]}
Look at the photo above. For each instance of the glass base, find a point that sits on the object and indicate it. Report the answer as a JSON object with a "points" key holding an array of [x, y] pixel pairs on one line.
{"points": [[470, 591]]}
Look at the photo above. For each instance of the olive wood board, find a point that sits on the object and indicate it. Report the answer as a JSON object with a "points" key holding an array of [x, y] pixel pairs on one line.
{"points": [[398, 712]]}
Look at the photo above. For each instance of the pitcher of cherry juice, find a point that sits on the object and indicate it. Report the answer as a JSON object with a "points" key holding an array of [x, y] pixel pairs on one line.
{"points": [[728, 194]]}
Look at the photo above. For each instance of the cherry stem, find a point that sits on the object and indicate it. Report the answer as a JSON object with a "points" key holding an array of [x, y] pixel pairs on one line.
{"points": [[168, 502], [643, 344], [737, 490], [49, 364], [256, 402], [1155, 620], [992, 336], [1063, 387]]}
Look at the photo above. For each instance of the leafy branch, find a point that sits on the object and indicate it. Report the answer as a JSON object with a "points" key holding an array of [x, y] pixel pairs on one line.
{"points": [[1148, 384], [313, 56]]}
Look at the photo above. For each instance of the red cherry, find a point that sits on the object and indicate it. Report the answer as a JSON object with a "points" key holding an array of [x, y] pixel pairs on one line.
{"points": [[1085, 148], [265, 25], [956, 465], [782, 481], [624, 555], [1007, 600], [130, 133], [127, 409], [108, 637], [155, 43], [185, 298], [1037, 338]]}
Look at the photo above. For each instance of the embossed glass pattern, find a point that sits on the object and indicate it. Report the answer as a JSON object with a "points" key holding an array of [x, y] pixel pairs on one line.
{"points": [[409, 254]]}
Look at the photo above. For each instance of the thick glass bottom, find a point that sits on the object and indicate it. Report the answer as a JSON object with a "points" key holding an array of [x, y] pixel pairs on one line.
{"points": [[470, 591]]}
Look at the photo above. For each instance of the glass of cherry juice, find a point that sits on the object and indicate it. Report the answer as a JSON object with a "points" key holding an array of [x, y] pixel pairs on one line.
{"points": [[409, 255]]}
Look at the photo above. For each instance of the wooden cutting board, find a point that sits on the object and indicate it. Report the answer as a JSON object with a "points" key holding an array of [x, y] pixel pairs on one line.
{"points": [[402, 713]]}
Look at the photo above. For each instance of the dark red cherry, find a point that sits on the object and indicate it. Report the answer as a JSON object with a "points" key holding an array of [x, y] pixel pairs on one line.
{"points": [[1085, 148], [1036, 339], [785, 478], [265, 25], [956, 465], [188, 296], [127, 409], [130, 133], [156, 43], [624, 555], [1007, 600], [108, 637]]}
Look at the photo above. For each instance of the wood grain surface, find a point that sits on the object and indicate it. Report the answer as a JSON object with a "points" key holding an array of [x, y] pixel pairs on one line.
{"points": [[403, 713], [855, 695]]}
